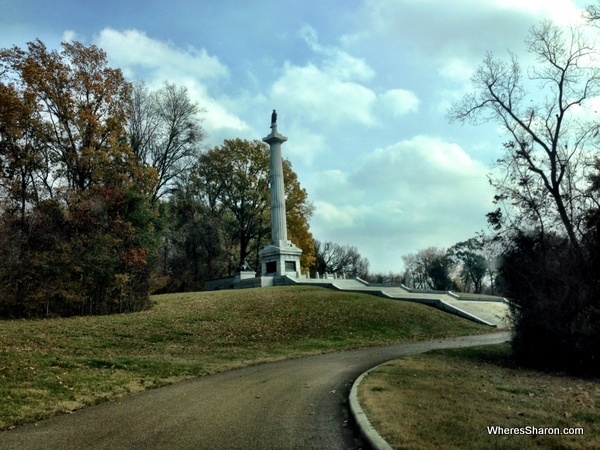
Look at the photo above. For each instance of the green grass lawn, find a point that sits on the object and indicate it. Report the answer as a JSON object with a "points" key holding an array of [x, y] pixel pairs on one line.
{"points": [[448, 399], [54, 366]]}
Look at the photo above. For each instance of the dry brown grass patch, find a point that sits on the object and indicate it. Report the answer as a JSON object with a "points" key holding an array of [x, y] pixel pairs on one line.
{"points": [[448, 399]]}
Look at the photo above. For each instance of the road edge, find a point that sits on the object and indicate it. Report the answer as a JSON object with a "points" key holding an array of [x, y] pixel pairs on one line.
{"points": [[367, 431]]}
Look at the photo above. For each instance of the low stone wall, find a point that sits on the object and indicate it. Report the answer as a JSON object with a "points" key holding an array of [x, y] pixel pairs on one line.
{"points": [[248, 283], [217, 284]]}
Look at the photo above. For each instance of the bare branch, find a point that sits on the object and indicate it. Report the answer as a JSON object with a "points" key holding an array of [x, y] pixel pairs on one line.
{"points": [[546, 136]]}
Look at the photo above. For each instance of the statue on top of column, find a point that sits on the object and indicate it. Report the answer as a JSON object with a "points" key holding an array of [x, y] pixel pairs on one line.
{"points": [[274, 118]]}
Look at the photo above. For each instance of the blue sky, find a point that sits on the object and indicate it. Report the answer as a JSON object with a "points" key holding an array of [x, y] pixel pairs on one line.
{"points": [[361, 88]]}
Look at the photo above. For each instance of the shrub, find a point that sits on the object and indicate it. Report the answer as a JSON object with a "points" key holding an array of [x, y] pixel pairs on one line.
{"points": [[556, 302]]}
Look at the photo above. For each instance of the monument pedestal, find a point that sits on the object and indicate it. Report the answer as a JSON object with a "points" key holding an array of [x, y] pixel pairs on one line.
{"points": [[282, 259], [243, 275]]}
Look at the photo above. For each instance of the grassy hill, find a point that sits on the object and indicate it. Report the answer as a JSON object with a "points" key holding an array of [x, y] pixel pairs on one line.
{"points": [[53, 366]]}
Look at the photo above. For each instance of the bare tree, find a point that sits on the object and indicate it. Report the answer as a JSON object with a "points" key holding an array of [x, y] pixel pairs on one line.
{"points": [[468, 255], [165, 132], [428, 269], [592, 12], [545, 163], [336, 258]]}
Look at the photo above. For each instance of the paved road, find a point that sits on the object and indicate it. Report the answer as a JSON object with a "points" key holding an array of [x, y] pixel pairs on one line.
{"points": [[300, 404]]}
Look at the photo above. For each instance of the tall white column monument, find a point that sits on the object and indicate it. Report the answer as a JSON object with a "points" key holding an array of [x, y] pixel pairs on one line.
{"points": [[281, 257]]}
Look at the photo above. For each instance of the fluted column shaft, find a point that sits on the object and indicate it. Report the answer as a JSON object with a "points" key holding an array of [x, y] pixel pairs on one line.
{"points": [[278, 215]]}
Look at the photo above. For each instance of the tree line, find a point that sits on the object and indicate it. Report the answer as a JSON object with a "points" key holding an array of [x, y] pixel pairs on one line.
{"points": [[469, 266], [76, 222], [108, 192]]}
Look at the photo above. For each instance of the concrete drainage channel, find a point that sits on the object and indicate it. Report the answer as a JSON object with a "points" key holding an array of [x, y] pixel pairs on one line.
{"points": [[366, 429]]}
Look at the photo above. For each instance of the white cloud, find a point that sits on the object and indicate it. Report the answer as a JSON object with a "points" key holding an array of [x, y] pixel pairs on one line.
{"points": [[306, 145], [562, 12], [334, 217], [407, 195], [456, 70], [333, 185], [400, 102], [426, 163], [463, 29], [135, 50], [155, 61], [69, 36], [217, 118], [337, 62], [416, 193], [330, 91], [318, 95]]}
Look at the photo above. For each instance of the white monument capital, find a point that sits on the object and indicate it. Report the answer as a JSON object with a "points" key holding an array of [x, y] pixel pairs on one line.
{"points": [[275, 137]]}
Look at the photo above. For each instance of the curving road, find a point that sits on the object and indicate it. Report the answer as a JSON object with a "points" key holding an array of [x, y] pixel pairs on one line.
{"points": [[299, 403]]}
